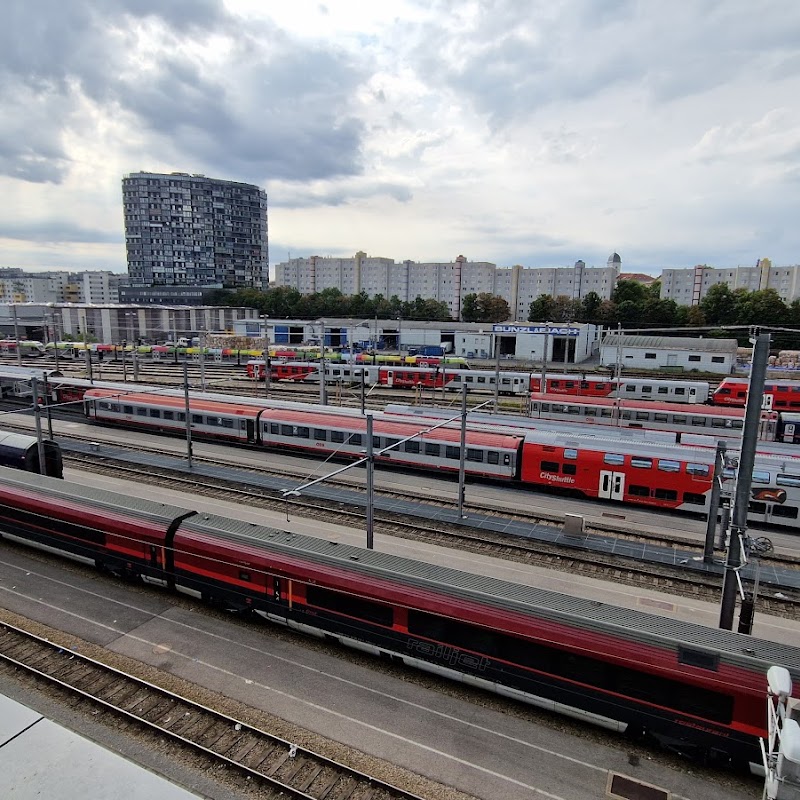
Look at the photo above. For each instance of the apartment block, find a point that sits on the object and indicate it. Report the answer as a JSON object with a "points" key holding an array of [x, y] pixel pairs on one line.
{"points": [[190, 230]]}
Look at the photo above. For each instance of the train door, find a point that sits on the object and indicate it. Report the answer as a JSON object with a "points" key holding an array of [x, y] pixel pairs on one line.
{"points": [[692, 394], [390, 378], [612, 485], [766, 402], [251, 431]]}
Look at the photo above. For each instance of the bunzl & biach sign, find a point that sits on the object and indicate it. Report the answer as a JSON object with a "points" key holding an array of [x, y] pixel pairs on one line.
{"points": [[551, 330]]}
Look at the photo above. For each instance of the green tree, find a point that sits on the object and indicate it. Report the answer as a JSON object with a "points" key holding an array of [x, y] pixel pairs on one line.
{"points": [[565, 309], [591, 303], [469, 308], [631, 292], [719, 305], [541, 309]]}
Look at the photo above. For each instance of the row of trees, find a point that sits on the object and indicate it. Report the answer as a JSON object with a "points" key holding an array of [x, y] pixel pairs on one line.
{"points": [[632, 304], [285, 302]]}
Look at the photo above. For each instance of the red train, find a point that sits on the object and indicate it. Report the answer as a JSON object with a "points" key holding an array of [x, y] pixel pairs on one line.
{"points": [[637, 473], [696, 690], [778, 395]]}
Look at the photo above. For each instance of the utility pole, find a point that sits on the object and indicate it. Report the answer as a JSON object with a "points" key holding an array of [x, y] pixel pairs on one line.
{"points": [[16, 334], [370, 486], [323, 386], [496, 374], [37, 416], [463, 452], [202, 361], [744, 478], [713, 507], [188, 413], [55, 337], [543, 385], [618, 370]]}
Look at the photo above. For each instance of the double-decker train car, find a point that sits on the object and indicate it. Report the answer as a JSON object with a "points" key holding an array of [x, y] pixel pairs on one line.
{"points": [[778, 395], [695, 690]]}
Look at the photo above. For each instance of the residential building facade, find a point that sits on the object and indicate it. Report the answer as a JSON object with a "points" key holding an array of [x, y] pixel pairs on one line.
{"points": [[190, 230], [448, 282], [688, 287]]}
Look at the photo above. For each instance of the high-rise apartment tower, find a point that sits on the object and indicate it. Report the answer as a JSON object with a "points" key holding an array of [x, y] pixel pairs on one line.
{"points": [[190, 230]]}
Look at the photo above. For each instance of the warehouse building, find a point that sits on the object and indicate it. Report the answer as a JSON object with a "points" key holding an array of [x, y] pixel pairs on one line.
{"points": [[673, 353]]}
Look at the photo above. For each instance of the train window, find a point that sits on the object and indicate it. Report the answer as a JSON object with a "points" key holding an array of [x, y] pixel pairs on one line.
{"points": [[127, 409], [679, 390], [641, 463], [105, 406], [795, 389], [549, 466], [570, 454], [584, 384], [649, 355], [697, 421], [493, 457], [356, 439], [569, 469], [572, 409], [642, 415], [737, 424], [694, 499], [768, 387], [630, 388], [679, 419], [141, 412], [698, 658], [197, 419], [481, 380], [613, 458], [663, 390], [665, 494], [757, 508], [638, 491], [695, 358], [431, 449], [789, 512], [569, 384], [787, 480], [660, 417], [337, 436], [606, 412], [244, 576], [376, 441], [180, 416], [719, 423], [301, 432], [169, 415], [666, 465], [320, 434], [600, 386], [723, 390], [226, 423], [590, 412], [647, 389], [213, 421], [703, 470], [412, 447], [349, 605], [759, 476], [545, 406], [555, 384], [452, 452], [391, 442], [781, 404], [474, 455], [154, 412]]}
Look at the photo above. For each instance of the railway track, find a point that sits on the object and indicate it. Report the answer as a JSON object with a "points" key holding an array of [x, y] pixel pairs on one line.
{"points": [[282, 768]]}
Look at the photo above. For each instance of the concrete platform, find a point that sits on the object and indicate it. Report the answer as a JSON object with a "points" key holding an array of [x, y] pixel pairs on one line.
{"points": [[41, 759]]}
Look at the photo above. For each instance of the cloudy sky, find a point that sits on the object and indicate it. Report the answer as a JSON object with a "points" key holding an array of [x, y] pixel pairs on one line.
{"points": [[513, 131]]}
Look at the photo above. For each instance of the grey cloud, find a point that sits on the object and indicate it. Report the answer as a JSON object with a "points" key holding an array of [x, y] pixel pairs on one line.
{"points": [[301, 196], [277, 108], [55, 231]]}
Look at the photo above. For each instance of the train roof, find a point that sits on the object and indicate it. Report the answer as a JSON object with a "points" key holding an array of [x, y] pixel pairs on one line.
{"points": [[638, 405], [115, 504], [582, 613], [26, 373]]}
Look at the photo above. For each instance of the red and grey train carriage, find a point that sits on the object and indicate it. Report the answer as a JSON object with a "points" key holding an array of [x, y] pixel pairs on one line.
{"points": [[778, 395], [697, 690]]}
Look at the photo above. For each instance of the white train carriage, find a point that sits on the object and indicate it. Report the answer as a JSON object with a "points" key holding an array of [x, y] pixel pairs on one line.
{"points": [[488, 454], [669, 391]]}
